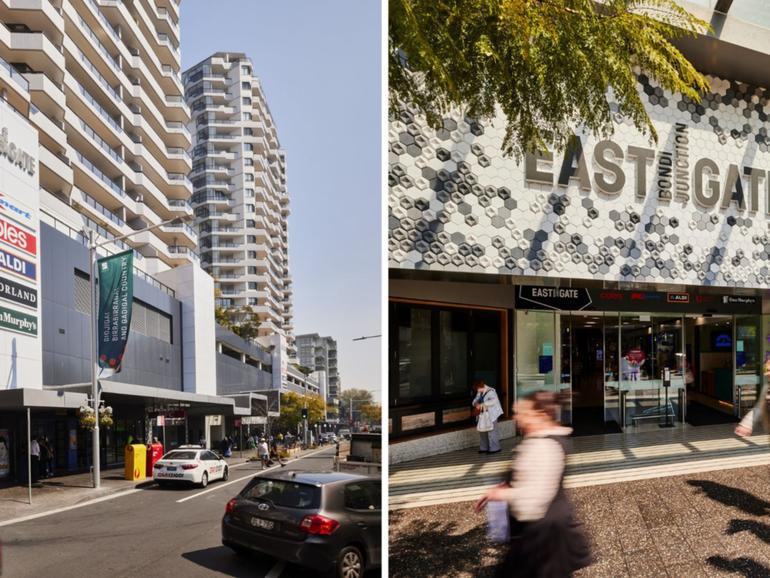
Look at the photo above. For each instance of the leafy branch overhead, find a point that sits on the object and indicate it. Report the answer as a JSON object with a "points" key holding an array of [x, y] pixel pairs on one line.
{"points": [[548, 64]]}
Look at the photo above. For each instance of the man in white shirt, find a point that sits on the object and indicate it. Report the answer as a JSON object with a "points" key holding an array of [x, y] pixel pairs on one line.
{"points": [[264, 452], [34, 451]]}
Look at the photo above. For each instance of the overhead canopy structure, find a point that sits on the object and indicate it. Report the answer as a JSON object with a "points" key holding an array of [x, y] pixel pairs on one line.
{"points": [[22, 398]]}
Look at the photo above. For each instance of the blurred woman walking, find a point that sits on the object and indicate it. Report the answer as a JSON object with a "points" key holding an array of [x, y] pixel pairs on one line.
{"points": [[546, 540]]}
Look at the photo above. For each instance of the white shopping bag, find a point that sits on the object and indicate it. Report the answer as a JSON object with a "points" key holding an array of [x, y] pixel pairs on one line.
{"points": [[497, 521]]}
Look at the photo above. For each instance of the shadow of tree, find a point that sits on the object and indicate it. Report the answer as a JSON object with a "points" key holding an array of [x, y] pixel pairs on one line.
{"points": [[741, 565], [417, 546], [733, 497], [759, 529]]}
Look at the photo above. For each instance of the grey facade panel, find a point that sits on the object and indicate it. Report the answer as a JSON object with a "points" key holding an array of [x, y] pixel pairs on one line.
{"points": [[236, 377], [66, 336]]}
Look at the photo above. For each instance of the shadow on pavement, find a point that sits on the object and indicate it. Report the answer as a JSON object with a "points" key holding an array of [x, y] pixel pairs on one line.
{"points": [[733, 497], [224, 561], [760, 530], [742, 565]]}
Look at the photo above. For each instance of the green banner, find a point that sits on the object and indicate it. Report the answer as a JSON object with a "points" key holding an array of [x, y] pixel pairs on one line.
{"points": [[116, 296]]}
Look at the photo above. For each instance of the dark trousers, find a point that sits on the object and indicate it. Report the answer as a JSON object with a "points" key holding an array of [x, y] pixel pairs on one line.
{"points": [[35, 469]]}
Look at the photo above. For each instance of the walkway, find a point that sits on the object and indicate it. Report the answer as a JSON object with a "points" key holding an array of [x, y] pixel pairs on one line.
{"points": [[593, 460]]}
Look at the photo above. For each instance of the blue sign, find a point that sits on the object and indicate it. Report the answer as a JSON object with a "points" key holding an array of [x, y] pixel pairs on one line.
{"points": [[17, 265]]}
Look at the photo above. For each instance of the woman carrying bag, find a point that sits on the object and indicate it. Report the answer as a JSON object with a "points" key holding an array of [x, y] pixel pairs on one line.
{"points": [[545, 540], [487, 408]]}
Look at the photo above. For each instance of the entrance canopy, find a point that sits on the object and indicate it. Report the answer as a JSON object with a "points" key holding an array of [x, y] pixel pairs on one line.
{"points": [[19, 399], [250, 404], [192, 403]]}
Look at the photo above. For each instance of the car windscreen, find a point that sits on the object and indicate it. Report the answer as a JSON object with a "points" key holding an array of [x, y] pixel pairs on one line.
{"points": [[180, 455], [284, 493]]}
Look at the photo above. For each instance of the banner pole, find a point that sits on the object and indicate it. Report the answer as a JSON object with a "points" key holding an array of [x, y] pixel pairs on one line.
{"points": [[94, 354]]}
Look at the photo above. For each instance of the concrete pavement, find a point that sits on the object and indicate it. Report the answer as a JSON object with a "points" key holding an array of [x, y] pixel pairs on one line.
{"points": [[145, 531]]}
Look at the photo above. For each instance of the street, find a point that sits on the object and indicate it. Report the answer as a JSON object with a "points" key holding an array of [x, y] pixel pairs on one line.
{"points": [[150, 531]]}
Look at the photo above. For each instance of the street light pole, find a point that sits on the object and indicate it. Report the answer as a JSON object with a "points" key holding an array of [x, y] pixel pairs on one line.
{"points": [[92, 248]]}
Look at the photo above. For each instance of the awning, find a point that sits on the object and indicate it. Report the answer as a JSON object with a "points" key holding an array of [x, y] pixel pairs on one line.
{"points": [[250, 404], [22, 398], [192, 403]]}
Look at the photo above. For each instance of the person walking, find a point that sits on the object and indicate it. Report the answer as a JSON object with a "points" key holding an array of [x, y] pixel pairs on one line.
{"points": [[487, 408], [760, 413], [545, 540], [264, 452], [34, 450]]}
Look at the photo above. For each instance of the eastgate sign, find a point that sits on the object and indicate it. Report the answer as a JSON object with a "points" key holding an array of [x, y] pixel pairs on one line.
{"points": [[671, 174], [15, 154]]}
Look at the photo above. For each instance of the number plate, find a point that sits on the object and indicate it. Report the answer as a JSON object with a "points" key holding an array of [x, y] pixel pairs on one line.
{"points": [[170, 468], [264, 524]]}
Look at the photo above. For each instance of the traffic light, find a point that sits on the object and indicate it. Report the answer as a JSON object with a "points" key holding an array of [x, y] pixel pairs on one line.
{"points": [[304, 413]]}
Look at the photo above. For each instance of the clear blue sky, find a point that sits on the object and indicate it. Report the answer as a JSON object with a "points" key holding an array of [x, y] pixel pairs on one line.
{"points": [[319, 63]]}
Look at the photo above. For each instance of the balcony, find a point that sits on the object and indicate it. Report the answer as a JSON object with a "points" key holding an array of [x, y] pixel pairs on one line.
{"points": [[98, 174], [183, 253]]}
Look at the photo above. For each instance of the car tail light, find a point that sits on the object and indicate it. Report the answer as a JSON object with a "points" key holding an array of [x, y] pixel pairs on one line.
{"points": [[231, 506], [189, 466], [318, 524], [157, 466]]}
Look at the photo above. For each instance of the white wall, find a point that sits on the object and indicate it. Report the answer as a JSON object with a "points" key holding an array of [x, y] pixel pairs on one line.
{"points": [[195, 289], [21, 356]]}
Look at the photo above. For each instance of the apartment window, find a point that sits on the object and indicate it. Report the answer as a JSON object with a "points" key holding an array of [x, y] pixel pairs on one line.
{"points": [[252, 270], [251, 208], [248, 132], [246, 70], [249, 193], [253, 301], [252, 254], [246, 100], [246, 85], [252, 286], [248, 162], [251, 238], [249, 178], [246, 116], [251, 223], [248, 147]]}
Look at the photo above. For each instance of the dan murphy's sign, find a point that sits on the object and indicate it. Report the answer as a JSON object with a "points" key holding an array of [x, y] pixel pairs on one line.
{"points": [[116, 295]]}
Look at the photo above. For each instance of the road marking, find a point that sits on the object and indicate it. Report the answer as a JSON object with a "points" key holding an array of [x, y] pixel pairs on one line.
{"points": [[218, 486], [67, 508], [276, 570]]}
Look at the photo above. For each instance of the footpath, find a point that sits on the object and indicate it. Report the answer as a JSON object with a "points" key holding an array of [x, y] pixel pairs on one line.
{"points": [[69, 490]]}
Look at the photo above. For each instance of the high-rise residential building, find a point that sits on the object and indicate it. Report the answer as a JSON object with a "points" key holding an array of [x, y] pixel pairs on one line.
{"points": [[239, 191], [320, 354], [101, 83]]}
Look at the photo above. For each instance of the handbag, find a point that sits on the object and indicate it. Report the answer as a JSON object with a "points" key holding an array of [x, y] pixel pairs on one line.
{"points": [[485, 422]]}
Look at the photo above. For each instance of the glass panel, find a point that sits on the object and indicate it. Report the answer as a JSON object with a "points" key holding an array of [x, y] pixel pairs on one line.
{"points": [[611, 368], [414, 329], [538, 352], [642, 398], [748, 359], [487, 349], [453, 347], [565, 383]]}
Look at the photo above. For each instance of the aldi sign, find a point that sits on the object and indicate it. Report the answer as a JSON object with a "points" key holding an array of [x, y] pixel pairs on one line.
{"points": [[18, 266], [17, 237], [17, 321]]}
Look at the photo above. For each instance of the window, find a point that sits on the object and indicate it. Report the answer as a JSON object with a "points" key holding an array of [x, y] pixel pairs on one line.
{"points": [[252, 254], [245, 85], [414, 346], [246, 70], [248, 178], [251, 223], [248, 132], [246, 116], [253, 286], [249, 163], [246, 101], [363, 496], [181, 455], [248, 147], [211, 456], [253, 301], [251, 208], [251, 238], [249, 193], [82, 292], [252, 271]]}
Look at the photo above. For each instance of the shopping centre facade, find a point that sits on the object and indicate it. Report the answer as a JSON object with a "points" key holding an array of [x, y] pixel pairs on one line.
{"points": [[606, 272]]}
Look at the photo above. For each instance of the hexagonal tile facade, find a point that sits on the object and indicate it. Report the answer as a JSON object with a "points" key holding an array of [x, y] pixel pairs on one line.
{"points": [[457, 204]]}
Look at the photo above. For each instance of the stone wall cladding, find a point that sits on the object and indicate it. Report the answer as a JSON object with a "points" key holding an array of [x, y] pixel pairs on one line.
{"points": [[457, 204]]}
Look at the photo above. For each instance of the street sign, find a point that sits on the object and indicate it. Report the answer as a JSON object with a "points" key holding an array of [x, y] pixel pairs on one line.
{"points": [[161, 420]]}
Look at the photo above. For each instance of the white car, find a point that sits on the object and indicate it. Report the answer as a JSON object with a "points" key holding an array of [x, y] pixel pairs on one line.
{"points": [[192, 465]]}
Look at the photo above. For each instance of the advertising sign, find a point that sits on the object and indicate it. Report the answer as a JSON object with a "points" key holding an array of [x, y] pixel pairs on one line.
{"points": [[18, 237], [17, 321], [18, 266], [18, 293], [558, 298], [116, 295]]}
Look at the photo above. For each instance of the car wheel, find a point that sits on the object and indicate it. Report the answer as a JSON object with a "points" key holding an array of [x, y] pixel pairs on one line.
{"points": [[350, 563], [225, 475], [204, 480]]}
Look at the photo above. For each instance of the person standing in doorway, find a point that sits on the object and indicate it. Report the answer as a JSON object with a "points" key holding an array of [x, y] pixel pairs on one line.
{"points": [[34, 450], [487, 409]]}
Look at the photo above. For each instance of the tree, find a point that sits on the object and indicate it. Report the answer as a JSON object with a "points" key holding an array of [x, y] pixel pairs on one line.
{"points": [[359, 397], [548, 64], [221, 317], [245, 322], [371, 413], [291, 411]]}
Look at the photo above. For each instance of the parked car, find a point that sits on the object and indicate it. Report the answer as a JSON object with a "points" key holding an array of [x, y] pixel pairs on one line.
{"points": [[344, 434], [192, 465], [326, 521]]}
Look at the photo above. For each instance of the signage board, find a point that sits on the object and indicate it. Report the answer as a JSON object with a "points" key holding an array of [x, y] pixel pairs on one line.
{"points": [[17, 237], [557, 298], [18, 293], [14, 264], [17, 321], [116, 296]]}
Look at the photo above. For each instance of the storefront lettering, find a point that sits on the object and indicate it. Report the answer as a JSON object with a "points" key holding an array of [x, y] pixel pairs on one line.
{"points": [[675, 176], [15, 154]]}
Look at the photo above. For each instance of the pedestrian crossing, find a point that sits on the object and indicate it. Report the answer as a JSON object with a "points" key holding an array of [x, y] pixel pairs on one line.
{"points": [[592, 460]]}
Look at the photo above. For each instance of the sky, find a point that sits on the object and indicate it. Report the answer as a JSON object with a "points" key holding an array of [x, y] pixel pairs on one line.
{"points": [[319, 65]]}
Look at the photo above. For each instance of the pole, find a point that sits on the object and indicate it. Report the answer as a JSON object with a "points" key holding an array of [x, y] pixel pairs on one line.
{"points": [[94, 356], [29, 455]]}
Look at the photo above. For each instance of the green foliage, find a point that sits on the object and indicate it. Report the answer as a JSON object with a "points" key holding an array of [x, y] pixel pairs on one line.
{"points": [[245, 322], [360, 397], [371, 413], [548, 64], [304, 370], [291, 411]]}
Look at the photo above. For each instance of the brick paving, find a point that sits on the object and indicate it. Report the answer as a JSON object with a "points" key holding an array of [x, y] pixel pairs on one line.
{"points": [[704, 524]]}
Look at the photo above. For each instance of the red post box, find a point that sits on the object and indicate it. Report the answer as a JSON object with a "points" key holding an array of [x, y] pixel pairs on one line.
{"points": [[154, 453]]}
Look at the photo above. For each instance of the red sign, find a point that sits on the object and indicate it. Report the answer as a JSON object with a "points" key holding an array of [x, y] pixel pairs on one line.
{"points": [[18, 237], [678, 297], [237, 423], [635, 356]]}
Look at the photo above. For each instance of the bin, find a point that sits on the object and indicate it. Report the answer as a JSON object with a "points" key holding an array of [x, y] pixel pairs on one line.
{"points": [[154, 453], [136, 462]]}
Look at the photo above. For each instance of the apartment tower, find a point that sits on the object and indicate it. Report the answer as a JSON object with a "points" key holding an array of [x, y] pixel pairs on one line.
{"points": [[239, 191], [101, 83], [320, 354]]}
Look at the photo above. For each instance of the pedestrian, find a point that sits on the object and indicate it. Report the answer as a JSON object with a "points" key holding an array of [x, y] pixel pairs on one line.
{"points": [[760, 413], [44, 456], [264, 452], [487, 408], [34, 450], [545, 540]]}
